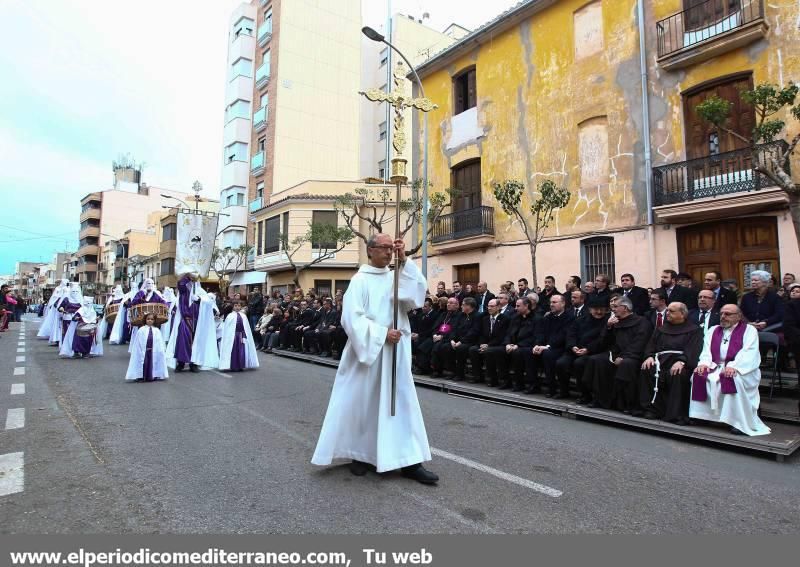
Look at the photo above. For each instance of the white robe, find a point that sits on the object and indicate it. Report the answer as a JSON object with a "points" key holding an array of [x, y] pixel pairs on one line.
{"points": [[136, 363], [228, 336], [50, 316], [358, 424], [738, 410], [205, 351], [117, 331], [65, 351]]}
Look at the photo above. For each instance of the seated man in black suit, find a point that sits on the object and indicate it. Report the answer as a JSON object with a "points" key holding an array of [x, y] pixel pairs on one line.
{"points": [[443, 329], [637, 295], [706, 315], [551, 341], [422, 337], [464, 335], [521, 336], [490, 342], [325, 319], [583, 340], [722, 296]]}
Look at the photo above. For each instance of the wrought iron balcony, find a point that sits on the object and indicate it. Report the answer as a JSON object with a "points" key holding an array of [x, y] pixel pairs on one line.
{"points": [[720, 174], [464, 224], [704, 22]]}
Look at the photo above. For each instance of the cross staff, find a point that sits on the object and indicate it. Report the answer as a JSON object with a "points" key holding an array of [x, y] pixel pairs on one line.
{"points": [[400, 101]]}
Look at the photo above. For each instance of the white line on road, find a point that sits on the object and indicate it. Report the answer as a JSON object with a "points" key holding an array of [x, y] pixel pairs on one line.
{"points": [[12, 473], [19, 371], [20, 350], [498, 473], [20, 359], [17, 389], [222, 374], [15, 419], [21, 343]]}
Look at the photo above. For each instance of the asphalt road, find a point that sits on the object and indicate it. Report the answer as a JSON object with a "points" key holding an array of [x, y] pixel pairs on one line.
{"points": [[214, 453]]}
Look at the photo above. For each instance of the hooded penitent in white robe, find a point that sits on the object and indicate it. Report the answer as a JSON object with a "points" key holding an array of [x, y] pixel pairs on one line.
{"points": [[86, 314], [738, 410], [50, 314], [358, 424], [139, 350], [204, 344], [116, 295], [228, 337], [75, 299], [118, 330], [169, 297]]}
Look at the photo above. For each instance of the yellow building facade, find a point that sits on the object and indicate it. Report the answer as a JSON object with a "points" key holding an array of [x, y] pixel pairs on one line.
{"points": [[554, 90]]}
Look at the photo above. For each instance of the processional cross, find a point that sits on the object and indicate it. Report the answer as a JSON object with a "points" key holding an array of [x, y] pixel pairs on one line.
{"points": [[400, 101]]}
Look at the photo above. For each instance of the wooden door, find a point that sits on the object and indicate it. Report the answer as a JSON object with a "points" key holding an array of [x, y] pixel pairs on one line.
{"points": [[467, 181], [468, 274], [703, 138], [733, 248]]}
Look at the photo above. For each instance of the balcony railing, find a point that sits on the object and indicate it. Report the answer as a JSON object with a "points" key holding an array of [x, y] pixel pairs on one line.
{"points": [[257, 163], [704, 22], [720, 174], [256, 204], [463, 224], [260, 119], [264, 35], [262, 75]]}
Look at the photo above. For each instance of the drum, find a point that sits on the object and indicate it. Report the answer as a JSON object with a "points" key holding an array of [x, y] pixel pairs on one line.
{"points": [[111, 312], [86, 329], [137, 313]]}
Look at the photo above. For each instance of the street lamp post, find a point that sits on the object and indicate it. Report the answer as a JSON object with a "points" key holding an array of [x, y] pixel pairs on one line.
{"points": [[378, 37]]}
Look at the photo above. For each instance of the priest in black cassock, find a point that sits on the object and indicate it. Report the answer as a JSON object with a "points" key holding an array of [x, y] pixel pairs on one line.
{"points": [[615, 369], [671, 357]]}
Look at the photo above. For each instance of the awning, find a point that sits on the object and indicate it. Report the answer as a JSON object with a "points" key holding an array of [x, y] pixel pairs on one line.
{"points": [[249, 278]]}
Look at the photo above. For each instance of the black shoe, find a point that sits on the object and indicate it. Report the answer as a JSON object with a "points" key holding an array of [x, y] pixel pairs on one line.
{"points": [[360, 468], [193, 368], [736, 431], [650, 415], [504, 386], [549, 394], [517, 388], [420, 474], [592, 405], [179, 367], [561, 396]]}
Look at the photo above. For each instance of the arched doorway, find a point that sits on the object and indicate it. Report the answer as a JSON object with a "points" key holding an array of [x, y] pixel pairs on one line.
{"points": [[733, 247]]}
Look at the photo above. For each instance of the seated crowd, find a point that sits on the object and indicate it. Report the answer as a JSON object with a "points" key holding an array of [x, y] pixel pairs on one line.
{"points": [[616, 347], [623, 347]]}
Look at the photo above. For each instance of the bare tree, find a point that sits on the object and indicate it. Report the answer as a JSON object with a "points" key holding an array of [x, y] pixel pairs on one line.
{"points": [[535, 219], [375, 207], [768, 102], [229, 261], [326, 239]]}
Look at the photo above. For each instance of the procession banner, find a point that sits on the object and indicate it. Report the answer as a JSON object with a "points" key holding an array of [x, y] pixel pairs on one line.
{"points": [[195, 243]]}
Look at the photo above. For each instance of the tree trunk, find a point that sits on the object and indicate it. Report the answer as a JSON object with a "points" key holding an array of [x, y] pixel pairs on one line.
{"points": [[794, 210], [534, 281], [296, 278]]}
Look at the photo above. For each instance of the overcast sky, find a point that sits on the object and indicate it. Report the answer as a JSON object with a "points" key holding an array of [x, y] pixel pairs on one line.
{"points": [[84, 81]]}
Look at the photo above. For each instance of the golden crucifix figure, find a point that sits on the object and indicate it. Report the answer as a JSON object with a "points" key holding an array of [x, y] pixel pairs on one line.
{"points": [[399, 100]]}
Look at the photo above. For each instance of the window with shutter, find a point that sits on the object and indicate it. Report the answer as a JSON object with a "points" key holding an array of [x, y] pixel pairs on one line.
{"points": [[465, 91]]}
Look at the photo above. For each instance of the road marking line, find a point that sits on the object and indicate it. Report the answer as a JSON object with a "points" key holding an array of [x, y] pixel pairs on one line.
{"points": [[12, 473], [17, 389], [222, 374], [19, 371], [20, 350], [20, 359], [21, 343], [15, 418], [544, 489]]}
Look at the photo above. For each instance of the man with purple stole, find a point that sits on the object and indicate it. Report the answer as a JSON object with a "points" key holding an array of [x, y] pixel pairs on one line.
{"points": [[725, 384], [81, 339]]}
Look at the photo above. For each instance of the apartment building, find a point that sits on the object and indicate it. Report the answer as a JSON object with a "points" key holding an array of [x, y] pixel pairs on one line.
{"points": [[554, 90], [107, 215]]}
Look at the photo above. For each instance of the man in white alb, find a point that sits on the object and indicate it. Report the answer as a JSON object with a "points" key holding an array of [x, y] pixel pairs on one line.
{"points": [[725, 383], [358, 424]]}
